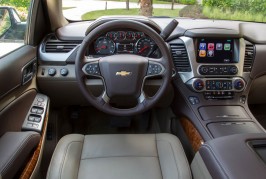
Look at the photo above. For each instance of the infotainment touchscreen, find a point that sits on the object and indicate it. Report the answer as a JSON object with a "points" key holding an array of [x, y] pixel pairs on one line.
{"points": [[212, 50]]}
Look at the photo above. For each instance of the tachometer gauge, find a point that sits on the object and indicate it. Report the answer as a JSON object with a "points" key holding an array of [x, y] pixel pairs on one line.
{"points": [[144, 46], [112, 35], [104, 46]]}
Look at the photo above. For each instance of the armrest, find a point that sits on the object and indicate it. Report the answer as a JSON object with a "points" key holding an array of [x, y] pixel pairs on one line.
{"points": [[15, 148], [230, 157]]}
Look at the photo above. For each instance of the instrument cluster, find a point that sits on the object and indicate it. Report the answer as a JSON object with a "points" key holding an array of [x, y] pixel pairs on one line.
{"points": [[125, 42]]}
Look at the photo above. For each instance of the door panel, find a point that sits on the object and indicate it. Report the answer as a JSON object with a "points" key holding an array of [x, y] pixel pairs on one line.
{"points": [[16, 98]]}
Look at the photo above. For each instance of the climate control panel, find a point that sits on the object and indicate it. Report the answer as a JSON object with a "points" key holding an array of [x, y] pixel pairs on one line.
{"points": [[236, 84]]}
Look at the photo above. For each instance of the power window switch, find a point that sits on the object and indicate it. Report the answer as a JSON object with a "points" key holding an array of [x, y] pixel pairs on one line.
{"points": [[34, 110], [39, 111], [31, 118], [37, 119], [29, 124], [35, 125]]}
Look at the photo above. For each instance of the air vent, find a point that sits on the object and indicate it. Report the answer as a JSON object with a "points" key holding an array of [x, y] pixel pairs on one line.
{"points": [[53, 45], [180, 57], [249, 57]]}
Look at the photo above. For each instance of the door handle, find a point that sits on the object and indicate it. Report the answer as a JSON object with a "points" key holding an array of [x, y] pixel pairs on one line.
{"points": [[28, 71]]}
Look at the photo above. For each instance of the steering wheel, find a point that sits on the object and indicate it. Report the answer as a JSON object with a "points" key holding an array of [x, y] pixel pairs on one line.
{"points": [[123, 74]]}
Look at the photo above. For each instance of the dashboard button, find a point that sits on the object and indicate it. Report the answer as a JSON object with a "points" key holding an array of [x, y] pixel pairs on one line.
{"points": [[64, 72], [233, 70], [51, 71]]}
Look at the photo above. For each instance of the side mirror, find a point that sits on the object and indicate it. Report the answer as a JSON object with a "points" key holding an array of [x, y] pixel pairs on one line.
{"points": [[11, 27], [5, 21]]}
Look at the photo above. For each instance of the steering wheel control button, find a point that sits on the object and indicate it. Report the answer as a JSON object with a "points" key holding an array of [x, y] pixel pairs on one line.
{"points": [[51, 71], [64, 72], [198, 85], [93, 69], [154, 69]]}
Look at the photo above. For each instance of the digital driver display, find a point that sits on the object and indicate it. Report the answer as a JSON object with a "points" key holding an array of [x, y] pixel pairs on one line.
{"points": [[215, 50]]}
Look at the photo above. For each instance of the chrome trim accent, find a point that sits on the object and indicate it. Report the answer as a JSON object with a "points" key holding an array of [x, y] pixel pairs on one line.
{"points": [[105, 97], [142, 97]]}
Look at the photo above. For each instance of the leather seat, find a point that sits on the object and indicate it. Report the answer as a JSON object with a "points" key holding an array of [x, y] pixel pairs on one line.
{"points": [[126, 156]]}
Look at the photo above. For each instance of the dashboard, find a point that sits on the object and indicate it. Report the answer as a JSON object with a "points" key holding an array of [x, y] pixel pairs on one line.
{"points": [[124, 41], [214, 59]]}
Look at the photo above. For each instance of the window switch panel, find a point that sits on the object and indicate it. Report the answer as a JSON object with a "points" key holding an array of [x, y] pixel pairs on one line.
{"points": [[36, 114]]}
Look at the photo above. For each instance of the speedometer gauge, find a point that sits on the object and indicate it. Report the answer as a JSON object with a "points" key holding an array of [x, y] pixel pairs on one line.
{"points": [[144, 46], [104, 46]]}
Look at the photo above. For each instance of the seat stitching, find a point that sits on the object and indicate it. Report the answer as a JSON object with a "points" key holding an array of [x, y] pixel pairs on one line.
{"points": [[80, 156], [178, 141], [65, 152], [158, 154], [127, 156]]}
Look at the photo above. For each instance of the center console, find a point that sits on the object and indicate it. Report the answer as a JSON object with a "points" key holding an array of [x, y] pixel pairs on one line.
{"points": [[212, 85]]}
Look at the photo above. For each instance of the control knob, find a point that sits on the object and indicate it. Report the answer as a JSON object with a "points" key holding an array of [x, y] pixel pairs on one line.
{"points": [[239, 84], [198, 84]]}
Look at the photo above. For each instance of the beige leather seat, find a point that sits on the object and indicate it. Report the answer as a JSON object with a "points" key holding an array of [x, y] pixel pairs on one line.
{"points": [[127, 156]]}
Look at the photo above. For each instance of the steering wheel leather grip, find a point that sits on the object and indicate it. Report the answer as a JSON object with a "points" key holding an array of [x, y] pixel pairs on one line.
{"points": [[123, 74]]}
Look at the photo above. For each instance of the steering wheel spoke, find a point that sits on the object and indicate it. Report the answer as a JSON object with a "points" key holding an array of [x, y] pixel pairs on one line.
{"points": [[155, 67], [92, 69]]}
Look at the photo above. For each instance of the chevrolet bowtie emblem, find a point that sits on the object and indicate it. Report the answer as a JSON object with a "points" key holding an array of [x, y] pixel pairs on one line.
{"points": [[123, 73]]}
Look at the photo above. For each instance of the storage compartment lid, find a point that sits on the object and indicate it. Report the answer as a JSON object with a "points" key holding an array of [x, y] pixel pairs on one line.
{"points": [[223, 113], [229, 128]]}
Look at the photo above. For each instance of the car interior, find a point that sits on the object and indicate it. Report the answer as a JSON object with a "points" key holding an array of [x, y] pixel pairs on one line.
{"points": [[133, 97]]}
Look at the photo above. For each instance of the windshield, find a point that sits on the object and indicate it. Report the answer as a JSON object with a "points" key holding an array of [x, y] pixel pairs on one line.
{"points": [[243, 10]]}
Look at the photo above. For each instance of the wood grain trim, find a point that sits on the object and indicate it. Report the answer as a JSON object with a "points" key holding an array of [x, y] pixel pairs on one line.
{"points": [[192, 133], [28, 170]]}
